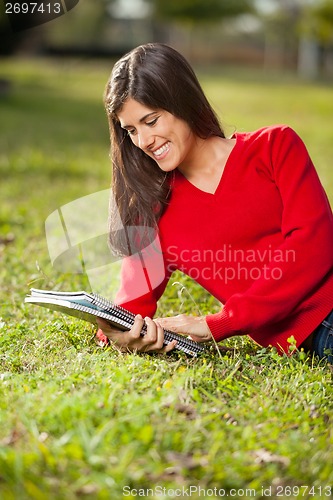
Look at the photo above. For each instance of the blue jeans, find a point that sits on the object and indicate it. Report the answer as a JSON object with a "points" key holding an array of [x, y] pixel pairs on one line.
{"points": [[323, 339]]}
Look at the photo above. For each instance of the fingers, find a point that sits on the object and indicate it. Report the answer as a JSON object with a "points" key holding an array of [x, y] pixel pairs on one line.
{"points": [[169, 347], [135, 331], [153, 332], [195, 326], [154, 338], [133, 340], [165, 348], [174, 323]]}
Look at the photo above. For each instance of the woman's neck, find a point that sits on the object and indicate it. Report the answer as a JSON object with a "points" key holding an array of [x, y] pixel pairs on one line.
{"points": [[205, 166]]}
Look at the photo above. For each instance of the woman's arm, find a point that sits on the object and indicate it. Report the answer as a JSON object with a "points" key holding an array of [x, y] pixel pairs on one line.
{"points": [[307, 231], [143, 280]]}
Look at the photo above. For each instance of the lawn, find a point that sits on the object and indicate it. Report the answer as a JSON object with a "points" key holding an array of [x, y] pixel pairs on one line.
{"points": [[78, 421]]}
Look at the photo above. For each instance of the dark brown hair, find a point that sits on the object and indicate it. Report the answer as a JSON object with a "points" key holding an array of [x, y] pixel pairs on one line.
{"points": [[158, 77]]}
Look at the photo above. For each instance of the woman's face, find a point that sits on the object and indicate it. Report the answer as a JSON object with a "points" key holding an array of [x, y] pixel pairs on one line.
{"points": [[162, 136]]}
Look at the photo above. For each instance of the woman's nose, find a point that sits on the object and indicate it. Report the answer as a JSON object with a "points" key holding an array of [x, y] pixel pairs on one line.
{"points": [[145, 139]]}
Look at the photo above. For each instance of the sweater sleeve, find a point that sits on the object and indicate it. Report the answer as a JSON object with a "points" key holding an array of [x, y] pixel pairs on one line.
{"points": [[307, 231], [143, 279]]}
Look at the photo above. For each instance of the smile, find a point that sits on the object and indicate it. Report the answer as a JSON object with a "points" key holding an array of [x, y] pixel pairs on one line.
{"points": [[162, 151]]}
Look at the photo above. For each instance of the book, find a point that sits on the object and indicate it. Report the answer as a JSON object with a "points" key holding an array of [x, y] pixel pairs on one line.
{"points": [[89, 306]]}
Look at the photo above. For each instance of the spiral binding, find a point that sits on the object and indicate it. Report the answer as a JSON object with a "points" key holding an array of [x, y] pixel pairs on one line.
{"points": [[126, 317]]}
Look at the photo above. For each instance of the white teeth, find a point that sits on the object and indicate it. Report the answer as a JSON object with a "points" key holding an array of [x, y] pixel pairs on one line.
{"points": [[161, 150]]}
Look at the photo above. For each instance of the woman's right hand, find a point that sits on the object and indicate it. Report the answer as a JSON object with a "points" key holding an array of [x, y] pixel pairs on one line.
{"points": [[133, 341]]}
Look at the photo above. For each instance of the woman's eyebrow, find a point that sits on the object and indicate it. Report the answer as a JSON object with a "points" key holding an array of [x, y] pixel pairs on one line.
{"points": [[141, 119]]}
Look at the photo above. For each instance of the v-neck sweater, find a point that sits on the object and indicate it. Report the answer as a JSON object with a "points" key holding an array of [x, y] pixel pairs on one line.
{"points": [[262, 243]]}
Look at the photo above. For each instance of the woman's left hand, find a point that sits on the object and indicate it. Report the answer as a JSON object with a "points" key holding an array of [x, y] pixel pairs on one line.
{"points": [[194, 326]]}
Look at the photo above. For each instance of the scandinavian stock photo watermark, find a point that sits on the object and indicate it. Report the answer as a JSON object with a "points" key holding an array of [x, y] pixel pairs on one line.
{"points": [[228, 263]]}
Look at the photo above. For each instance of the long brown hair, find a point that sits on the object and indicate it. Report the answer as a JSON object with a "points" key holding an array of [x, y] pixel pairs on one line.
{"points": [[158, 77]]}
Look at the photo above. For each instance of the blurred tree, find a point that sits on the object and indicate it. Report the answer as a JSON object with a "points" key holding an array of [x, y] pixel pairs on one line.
{"points": [[316, 38], [299, 33], [199, 10], [82, 28], [280, 31], [323, 13], [193, 13]]}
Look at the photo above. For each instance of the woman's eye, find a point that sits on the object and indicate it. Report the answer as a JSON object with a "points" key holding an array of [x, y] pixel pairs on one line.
{"points": [[131, 132], [152, 123]]}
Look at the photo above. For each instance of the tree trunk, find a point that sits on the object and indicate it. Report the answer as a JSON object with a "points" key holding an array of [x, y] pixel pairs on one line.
{"points": [[308, 58]]}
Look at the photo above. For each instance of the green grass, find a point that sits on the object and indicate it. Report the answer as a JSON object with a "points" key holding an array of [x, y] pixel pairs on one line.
{"points": [[78, 421]]}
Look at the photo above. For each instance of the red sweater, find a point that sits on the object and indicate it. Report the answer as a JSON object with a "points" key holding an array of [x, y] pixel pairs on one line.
{"points": [[262, 244]]}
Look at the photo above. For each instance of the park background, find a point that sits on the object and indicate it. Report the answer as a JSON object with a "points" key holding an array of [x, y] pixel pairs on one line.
{"points": [[81, 421]]}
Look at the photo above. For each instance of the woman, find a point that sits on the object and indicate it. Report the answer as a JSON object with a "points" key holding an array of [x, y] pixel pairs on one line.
{"points": [[245, 216]]}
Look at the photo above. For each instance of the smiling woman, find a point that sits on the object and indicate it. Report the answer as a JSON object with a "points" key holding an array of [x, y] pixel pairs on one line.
{"points": [[171, 142], [166, 139], [150, 76], [256, 194]]}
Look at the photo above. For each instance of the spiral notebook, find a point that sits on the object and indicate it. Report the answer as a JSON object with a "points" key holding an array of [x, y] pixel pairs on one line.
{"points": [[88, 306]]}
